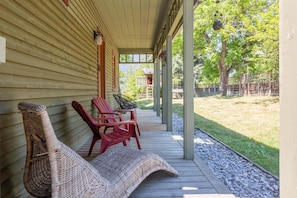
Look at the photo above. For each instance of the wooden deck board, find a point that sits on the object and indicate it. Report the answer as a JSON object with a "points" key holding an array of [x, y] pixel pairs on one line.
{"points": [[194, 180]]}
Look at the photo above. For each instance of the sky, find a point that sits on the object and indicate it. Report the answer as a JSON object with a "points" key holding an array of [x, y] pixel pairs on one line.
{"points": [[125, 67]]}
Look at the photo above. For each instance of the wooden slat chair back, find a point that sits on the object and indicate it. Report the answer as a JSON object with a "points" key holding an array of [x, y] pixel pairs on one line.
{"points": [[93, 124], [52, 169], [113, 115], [118, 134]]}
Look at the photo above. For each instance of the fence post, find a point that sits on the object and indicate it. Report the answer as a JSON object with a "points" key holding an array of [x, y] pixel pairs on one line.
{"points": [[247, 86], [270, 84]]}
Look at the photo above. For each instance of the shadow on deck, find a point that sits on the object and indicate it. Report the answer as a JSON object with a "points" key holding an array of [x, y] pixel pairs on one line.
{"points": [[195, 178]]}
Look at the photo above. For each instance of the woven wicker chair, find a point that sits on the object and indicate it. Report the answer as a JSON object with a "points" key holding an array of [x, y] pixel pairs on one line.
{"points": [[52, 169]]}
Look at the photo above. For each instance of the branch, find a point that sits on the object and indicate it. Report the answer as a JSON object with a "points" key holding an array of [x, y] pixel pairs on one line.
{"points": [[230, 68], [206, 37]]}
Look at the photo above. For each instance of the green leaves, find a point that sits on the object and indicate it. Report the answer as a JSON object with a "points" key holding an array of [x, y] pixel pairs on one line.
{"points": [[250, 31]]}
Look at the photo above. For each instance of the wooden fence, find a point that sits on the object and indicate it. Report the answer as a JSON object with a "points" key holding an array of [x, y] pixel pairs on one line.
{"points": [[263, 84], [255, 84], [243, 89]]}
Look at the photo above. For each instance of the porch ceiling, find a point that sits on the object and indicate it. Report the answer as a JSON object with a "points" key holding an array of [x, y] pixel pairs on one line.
{"points": [[135, 25]]}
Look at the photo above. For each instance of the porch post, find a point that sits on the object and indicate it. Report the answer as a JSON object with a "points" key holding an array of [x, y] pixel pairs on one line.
{"points": [[288, 98], [157, 86], [169, 82], [164, 92], [188, 80], [154, 86]]}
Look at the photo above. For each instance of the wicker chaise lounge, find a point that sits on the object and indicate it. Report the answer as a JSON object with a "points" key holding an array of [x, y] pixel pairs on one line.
{"points": [[52, 169]]}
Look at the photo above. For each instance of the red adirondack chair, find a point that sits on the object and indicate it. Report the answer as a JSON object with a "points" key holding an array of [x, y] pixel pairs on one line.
{"points": [[113, 115], [118, 134]]}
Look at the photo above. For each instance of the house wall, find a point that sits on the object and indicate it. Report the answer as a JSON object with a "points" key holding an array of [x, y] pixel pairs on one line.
{"points": [[51, 60]]}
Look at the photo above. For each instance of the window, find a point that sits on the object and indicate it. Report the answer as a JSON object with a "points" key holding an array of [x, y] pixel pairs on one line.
{"points": [[140, 81], [136, 58]]}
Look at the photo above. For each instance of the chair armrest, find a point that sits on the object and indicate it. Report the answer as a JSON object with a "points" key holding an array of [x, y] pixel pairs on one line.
{"points": [[132, 113], [112, 124], [116, 113], [101, 120], [127, 122], [119, 115]]}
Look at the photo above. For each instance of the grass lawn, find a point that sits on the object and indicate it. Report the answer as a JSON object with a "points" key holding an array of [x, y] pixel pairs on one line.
{"points": [[249, 125]]}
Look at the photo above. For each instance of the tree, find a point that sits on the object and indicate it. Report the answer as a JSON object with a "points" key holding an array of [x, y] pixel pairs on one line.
{"points": [[177, 63], [266, 38], [240, 38], [131, 88]]}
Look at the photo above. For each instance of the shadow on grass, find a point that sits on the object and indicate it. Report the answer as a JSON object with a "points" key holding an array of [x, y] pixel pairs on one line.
{"points": [[261, 154]]}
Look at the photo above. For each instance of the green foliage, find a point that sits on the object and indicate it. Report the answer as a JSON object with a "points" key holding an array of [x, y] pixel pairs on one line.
{"points": [[122, 77], [131, 75], [126, 58], [177, 45], [177, 63], [250, 31], [177, 71], [267, 40]]}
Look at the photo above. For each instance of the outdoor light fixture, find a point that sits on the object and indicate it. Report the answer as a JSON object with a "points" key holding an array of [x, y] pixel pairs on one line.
{"points": [[98, 37]]}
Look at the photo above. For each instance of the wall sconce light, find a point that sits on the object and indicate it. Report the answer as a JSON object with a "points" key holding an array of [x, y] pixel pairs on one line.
{"points": [[98, 37]]}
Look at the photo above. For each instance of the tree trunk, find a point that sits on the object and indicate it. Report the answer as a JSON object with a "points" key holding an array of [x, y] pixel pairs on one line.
{"points": [[224, 77], [224, 73]]}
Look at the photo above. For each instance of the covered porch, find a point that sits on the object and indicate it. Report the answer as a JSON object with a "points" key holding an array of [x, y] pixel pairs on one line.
{"points": [[195, 178], [49, 56]]}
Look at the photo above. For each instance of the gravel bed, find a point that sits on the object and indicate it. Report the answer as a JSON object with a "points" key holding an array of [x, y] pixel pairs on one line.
{"points": [[242, 177]]}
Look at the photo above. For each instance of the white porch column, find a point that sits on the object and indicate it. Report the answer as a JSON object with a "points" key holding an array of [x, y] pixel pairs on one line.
{"points": [[288, 98], [157, 86], [154, 86], [164, 92], [188, 79], [169, 82]]}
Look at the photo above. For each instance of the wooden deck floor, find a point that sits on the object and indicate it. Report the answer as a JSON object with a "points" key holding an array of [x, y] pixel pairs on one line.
{"points": [[195, 178]]}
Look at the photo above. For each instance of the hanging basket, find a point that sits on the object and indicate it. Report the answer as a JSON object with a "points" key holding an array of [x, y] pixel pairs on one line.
{"points": [[163, 56], [217, 25]]}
